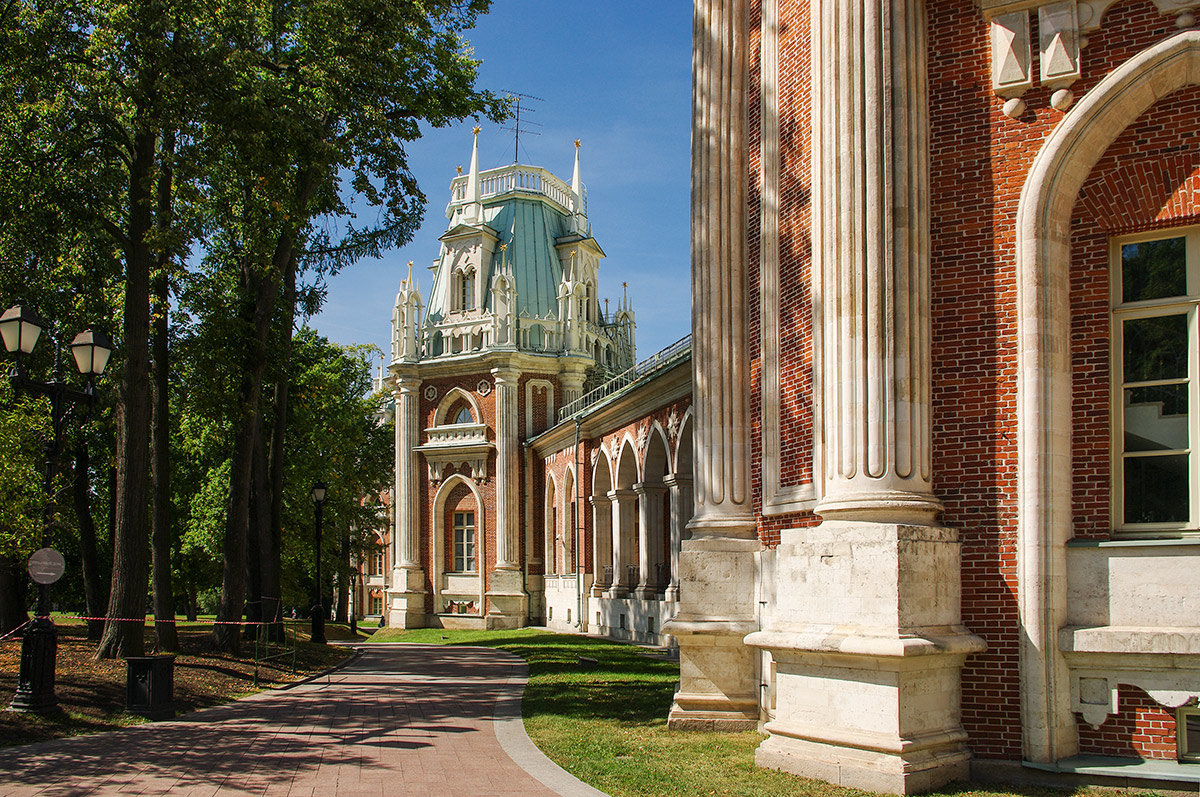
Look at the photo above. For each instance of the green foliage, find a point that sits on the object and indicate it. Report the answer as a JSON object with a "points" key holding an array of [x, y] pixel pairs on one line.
{"points": [[23, 426]]}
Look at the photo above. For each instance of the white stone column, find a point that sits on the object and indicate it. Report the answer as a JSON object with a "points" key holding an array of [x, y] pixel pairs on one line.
{"points": [[572, 385], [680, 488], [650, 501], [407, 593], [718, 564], [507, 601], [867, 605], [624, 542], [601, 543]]}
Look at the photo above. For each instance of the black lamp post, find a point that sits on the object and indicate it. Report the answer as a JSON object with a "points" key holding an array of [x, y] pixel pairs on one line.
{"points": [[318, 617], [20, 328]]}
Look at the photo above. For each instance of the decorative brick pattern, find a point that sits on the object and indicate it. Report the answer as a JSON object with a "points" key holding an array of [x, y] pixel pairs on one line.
{"points": [[1140, 728]]}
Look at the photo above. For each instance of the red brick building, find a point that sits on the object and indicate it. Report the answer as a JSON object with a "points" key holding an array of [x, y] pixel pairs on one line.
{"points": [[947, 354]]}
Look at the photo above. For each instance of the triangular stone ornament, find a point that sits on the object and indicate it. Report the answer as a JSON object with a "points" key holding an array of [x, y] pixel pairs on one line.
{"points": [[1058, 30], [1011, 75]]}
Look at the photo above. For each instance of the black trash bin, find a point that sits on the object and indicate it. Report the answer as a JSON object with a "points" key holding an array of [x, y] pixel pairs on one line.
{"points": [[150, 686]]}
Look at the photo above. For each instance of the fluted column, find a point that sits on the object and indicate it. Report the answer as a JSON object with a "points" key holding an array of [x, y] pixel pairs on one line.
{"points": [[873, 203], [718, 687], [507, 600], [601, 543], [508, 555], [407, 593], [680, 488], [878, 621], [572, 385]]}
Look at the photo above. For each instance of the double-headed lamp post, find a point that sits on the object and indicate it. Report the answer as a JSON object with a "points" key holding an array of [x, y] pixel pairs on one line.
{"points": [[20, 328], [318, 615]]}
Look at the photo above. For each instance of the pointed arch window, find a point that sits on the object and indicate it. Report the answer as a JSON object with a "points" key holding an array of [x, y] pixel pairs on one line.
{"points": [[464, 416], [465, 290]]}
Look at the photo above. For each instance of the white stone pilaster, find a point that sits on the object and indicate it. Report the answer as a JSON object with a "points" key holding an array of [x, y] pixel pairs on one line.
{"points": [[624, 541], [407, 592], [680, 488], [602, 557], [650, 501], [507, 600], [866, 632], [718, 564]]}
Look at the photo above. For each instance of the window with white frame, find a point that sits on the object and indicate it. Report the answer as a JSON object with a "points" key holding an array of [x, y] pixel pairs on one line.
{"points": [[464, 542], [1156, 290], [466, 290], [376, 605], [377, 561], [1187, 734]]}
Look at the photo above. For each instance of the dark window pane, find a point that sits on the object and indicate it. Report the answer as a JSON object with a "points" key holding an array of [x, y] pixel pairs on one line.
{"points": [[1192, 725], [1156, 418], [1153, 270], [1156, 489], [1156, 348]]}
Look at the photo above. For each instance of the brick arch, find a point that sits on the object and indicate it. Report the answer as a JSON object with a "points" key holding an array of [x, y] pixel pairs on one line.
{"points": [[1044, 389]]}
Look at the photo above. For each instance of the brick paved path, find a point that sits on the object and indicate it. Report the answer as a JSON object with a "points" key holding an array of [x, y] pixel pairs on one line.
{"points": [[402, 719]]}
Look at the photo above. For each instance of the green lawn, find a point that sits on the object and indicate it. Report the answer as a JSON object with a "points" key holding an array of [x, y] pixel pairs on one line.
{"points": [[606, 723]]}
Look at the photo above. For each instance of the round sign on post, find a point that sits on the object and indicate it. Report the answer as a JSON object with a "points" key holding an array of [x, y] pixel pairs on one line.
{"points": [[46, 566]]}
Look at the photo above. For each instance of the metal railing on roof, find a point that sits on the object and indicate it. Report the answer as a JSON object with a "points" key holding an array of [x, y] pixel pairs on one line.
{"points": [[659, 360]]}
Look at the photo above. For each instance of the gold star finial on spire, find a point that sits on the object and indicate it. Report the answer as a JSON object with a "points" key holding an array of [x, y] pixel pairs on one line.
{"points": [[576, 143], [459, 169], [475, 129], [503, 247]]}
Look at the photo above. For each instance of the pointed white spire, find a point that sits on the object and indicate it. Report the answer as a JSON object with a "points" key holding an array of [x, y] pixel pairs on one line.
{"points": [[576, 183], [473, 173]]}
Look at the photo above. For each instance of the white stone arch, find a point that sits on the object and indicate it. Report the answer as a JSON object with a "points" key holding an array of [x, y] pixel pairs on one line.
{"points": [[438, 524], [448, 401], [680, 448], [627, 467], [550, 523], [1044, 370], [566, 529], [604, 458], [650, 463]]}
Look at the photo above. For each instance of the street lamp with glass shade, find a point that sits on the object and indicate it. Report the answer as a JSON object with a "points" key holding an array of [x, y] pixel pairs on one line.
{"points": [[91, 350], [318, 614], [20, 327]]}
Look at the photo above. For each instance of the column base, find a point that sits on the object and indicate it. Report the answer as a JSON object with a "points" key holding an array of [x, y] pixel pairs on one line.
{"points": [[857, 763], [406, 598], [508, 603]]}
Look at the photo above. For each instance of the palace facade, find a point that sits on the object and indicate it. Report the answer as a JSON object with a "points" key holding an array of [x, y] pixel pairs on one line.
{"points": [[920, 496]]}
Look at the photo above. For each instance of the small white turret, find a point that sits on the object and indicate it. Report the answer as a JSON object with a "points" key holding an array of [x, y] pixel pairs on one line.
{"points": [[406, 318], [579, 224], [504, 302], [473, 210]]}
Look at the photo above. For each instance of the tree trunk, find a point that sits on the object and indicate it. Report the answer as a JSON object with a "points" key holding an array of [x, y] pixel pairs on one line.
{"points": [[262, 290], [160, 532], [343, 579], [270, 543], [93, 585], [260, 511], [12, 594], [123, 630]]}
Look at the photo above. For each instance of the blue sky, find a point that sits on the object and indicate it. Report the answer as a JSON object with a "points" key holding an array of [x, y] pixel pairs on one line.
{"points": [[617, 76]]}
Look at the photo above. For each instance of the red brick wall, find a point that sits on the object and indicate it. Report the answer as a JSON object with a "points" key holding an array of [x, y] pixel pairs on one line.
{"points": [[980, 160], [1141, 728], [795, 431]]}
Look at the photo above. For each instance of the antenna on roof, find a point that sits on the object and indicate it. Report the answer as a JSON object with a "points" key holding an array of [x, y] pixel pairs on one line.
{"points": [[516, 128]]}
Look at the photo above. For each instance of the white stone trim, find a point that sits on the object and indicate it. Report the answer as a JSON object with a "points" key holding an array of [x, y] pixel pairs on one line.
{"points": [[1044, 370], [776, 499]]}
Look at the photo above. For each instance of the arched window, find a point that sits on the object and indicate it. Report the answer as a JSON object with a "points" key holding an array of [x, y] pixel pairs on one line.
{"points": [[466, 290], [464, 416]]}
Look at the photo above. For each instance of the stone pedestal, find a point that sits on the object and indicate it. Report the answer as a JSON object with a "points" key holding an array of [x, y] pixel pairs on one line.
{"points": [[508, 603], [406, 598], [719, 681], [868, 647]]}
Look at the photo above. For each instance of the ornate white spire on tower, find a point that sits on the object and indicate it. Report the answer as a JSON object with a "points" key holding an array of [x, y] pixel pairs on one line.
{"points": [[474, 211], [578, 214]]}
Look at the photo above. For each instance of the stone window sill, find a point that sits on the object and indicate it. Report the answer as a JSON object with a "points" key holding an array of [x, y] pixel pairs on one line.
{"points": [[1132, 768]]}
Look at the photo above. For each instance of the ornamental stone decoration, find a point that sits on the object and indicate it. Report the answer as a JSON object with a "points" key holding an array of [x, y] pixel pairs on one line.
{"points": [[431, 393], [484, 387]]}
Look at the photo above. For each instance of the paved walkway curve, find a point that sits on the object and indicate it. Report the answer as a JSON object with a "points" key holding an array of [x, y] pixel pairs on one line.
{"points": [[399, 720]]}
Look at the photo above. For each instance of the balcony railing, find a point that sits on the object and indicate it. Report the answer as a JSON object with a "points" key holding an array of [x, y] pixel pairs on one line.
{"points": [[659, 360], [494, 182], [456, 434]]}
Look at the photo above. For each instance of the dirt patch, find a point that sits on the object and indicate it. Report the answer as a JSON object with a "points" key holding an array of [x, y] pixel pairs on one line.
{"points": [[91, 694]]}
